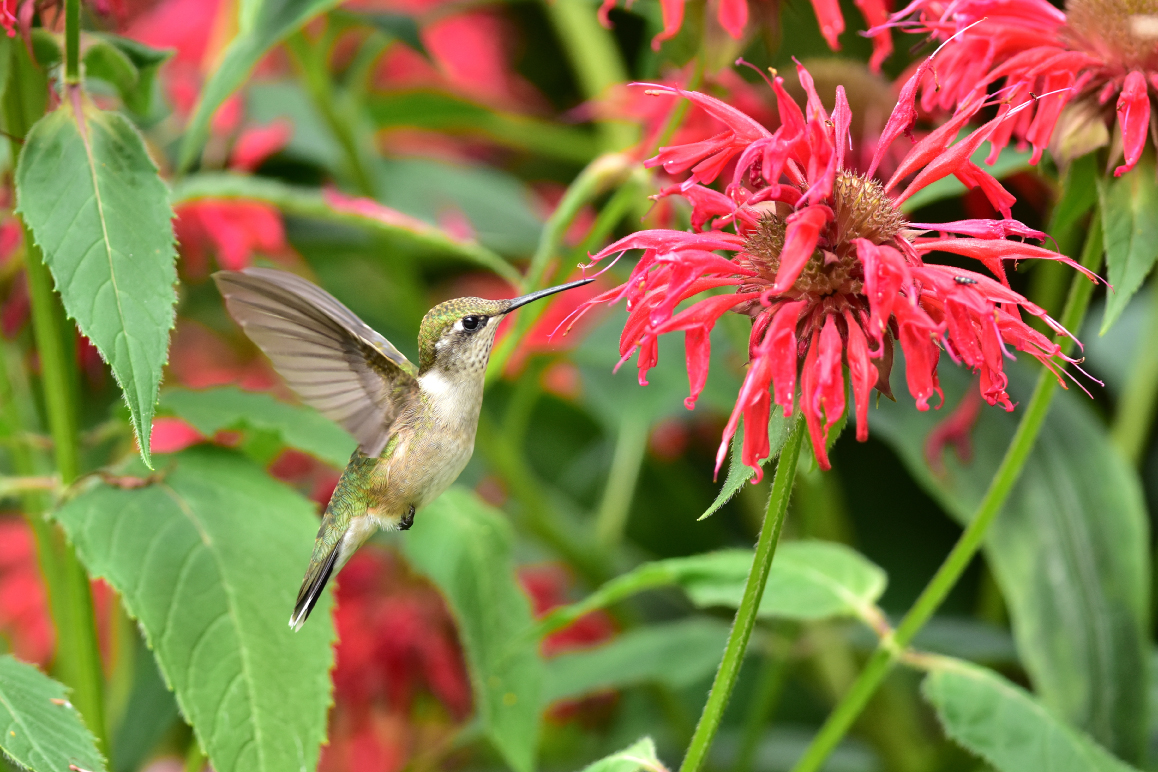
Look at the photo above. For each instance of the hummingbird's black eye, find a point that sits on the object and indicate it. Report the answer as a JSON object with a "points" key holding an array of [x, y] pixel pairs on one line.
{"points": [[472, 322]]}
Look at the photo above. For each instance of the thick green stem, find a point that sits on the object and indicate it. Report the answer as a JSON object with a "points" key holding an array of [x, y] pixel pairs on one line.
{"points": [[77, 661], [1134, 416], [626, 462], [594, 59], [72, 42], [971, 539], [749, 604]]}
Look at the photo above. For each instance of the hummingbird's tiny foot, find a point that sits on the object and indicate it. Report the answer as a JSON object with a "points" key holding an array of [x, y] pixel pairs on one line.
{"points": [[407, 520]]}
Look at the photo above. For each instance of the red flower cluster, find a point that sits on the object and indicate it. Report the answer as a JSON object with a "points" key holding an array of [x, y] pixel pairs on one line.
{"points": [[397, 640], [1098, 58], [826, 266], [24, 619]]}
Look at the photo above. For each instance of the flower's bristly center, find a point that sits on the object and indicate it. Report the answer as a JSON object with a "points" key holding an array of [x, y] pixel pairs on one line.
{"points": [[1124, 33], [862, 209]]}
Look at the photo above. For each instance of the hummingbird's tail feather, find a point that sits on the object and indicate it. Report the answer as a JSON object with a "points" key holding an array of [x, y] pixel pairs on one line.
{"points": [[316, 577]]}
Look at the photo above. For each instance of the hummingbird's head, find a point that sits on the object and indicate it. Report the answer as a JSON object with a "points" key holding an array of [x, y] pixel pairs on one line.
{"points": [[459, 333]]}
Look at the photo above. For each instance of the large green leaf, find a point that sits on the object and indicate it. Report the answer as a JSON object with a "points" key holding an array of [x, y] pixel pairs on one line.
{"points": [[1068, 550], [639, 755], [262, 25], [208, 560], [304, 428], [809, 580], [1129, 207], [308, 202], [439, 111], [129, 66], [1005, 725], [464, 546], [39, 728], [676, 653], [86, 187]]}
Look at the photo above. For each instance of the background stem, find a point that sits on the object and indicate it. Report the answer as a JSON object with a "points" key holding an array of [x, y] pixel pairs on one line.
{"points": [[750, 603], [72, 42], [965, 549], [1134, 415], [630, 448]]}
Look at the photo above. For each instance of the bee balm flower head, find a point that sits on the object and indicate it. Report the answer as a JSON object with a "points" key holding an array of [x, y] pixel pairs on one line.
{"points": [[824, 263]]}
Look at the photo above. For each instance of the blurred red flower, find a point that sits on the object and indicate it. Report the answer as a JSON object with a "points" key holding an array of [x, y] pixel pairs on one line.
{"points": [[827, 267], [1074, 71], [547, 586], [396, 641], [24, 619]]}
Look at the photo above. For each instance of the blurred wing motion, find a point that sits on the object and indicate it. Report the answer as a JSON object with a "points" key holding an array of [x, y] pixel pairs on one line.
{"points": [[331, 359]]}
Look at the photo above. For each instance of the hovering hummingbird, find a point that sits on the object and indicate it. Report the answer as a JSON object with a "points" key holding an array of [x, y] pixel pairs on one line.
{"points": [[415, 426]]}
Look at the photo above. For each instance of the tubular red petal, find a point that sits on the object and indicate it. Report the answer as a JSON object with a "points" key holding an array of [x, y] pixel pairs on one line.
{"points": [[831, 21], [931, 146], [744, 127], [698, 350], [861, 372], [876, 14], [842, 120], [808, 404], [903, 117], [779, 348], [800, 238], [1134, 119], [998, 250], [973, 176], [830, 376], [816, 109]]}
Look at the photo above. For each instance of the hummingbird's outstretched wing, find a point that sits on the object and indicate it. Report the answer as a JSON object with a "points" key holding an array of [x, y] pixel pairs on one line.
{"points": [[331, 359]]}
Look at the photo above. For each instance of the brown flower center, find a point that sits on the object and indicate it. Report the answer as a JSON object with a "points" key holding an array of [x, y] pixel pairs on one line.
{"points": [[862, 210], [1124, 33]]}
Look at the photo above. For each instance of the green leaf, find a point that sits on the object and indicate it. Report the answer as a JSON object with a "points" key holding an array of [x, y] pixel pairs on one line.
{"points": [[439, 111], [738, 473], [809, 580], [149, 714], [1080, 193], [1129, 207], [263, 24], [46, 48], [208, 561], [309, 203], [227, 407], [86, 187], [1009, 162], [129, 66], [399, 26], [677, 654], [464, 547], [1005, 725], [39, 729], [638, 755], [1068, 550]]}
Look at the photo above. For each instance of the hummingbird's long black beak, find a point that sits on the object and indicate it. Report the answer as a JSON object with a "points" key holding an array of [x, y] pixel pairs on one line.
{"points": [[525, 299]]}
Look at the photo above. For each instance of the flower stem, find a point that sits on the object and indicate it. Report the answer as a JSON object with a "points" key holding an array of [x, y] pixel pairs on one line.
{"points": [[963, 552], [1134, 416], [626, 462], [72, 42], [750, 603], [77, 655]]}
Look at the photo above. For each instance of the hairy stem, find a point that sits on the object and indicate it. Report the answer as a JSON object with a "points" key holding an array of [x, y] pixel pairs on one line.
{"points": [[749, 604], [890, 647]]}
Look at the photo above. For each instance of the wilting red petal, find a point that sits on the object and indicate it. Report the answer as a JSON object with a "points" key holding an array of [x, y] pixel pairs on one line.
{"points": [[1134, 118], [673, 19], [830, 391], [955, 431], [779, 347], [604, 12], [256, 144], [831, 21], [876, 14], [733, 16], [800, 237], [917, 338], [902, 118], [808, 405]]}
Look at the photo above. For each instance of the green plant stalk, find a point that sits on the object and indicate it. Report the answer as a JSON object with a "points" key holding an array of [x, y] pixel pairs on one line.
{"points": [[316, 77], [626, 462], [737, 644], [1134, 416], [72, 42], [594, 59], [195, 758], [765, 695], [77, 661], [963, 552]]}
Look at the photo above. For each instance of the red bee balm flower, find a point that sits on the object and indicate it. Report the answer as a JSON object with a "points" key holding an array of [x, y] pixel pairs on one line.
{"points": [[1095, 61], [828, 269]]}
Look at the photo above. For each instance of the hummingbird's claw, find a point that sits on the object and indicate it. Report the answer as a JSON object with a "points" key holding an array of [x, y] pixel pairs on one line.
{"points": [[407, 520]]}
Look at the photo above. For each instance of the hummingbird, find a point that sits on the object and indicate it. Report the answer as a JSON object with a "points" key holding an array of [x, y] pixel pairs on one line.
{"points": [[415, 426]]}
